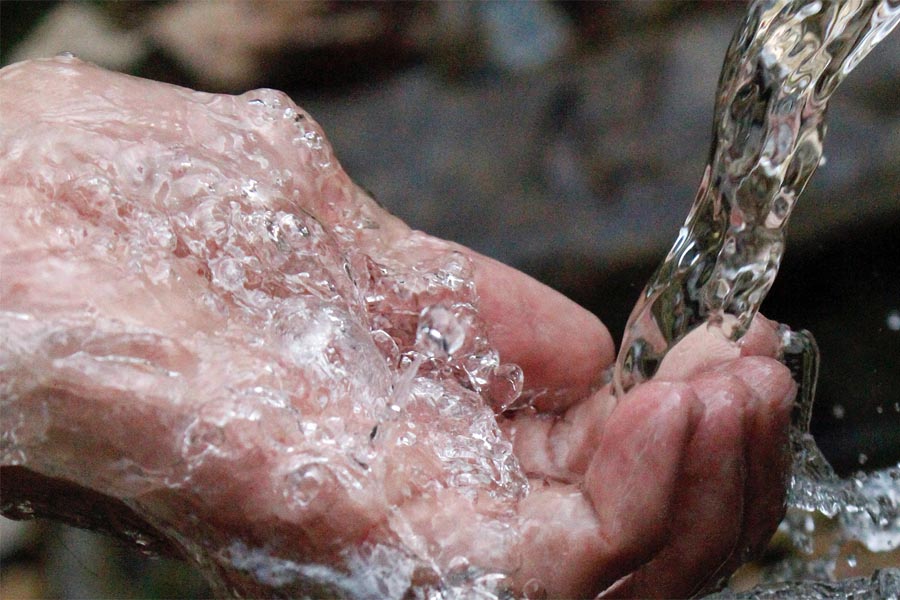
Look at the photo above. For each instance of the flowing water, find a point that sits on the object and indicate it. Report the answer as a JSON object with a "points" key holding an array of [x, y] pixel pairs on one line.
{"points": [[783, 65], [402, 335]]}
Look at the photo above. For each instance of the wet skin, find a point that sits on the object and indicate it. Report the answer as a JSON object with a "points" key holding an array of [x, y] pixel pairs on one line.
{"points": [[661, 493]]}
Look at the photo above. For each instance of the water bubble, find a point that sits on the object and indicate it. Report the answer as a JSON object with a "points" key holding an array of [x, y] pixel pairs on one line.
{"points": [[851, 560], [66, 54], [863, 459], [439, 333]]}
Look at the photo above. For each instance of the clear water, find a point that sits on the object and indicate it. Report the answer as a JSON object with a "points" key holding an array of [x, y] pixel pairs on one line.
{"points": [[403, 336], [783, 65]]}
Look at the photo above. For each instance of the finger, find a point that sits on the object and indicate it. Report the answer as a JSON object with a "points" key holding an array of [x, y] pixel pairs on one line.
{"points": [[560, 446], [709, 498], [577, 543], [768, 456], [564, 551], [633, 479], [561, 347], [706, 347], [761, 339]]}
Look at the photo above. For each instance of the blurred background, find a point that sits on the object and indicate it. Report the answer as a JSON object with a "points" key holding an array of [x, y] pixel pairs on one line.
{"points": [[564, 138]]}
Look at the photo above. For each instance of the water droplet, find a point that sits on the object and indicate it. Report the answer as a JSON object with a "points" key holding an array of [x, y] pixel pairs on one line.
{"points": [[780, 207], [534, 590], [893, 320], [809, 524], [24, 508], [407, 438], [838, 411], [387, 346], [140, 539], [228, 273], [851, 560], [506, 388], [249, 188], [863, 459], [305, 483], [439, 333]]}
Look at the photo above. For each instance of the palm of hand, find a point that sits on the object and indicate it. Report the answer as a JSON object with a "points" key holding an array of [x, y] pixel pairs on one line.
{"points": [[208, 319]]}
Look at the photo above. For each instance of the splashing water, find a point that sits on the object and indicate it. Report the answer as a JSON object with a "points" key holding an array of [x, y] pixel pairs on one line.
{"points": [[783, 65]]}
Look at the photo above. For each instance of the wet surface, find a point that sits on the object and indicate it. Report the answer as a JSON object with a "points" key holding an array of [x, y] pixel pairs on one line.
{"points": [[550, 169]]}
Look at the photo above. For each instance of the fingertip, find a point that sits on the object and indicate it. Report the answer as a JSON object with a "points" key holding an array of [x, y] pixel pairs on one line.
{"points": [[703, 348], [761, 339], [770, 380], [768, 454]]}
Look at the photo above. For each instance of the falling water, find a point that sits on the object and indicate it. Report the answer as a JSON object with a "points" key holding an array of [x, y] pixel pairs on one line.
{"points": [[783, 65]]}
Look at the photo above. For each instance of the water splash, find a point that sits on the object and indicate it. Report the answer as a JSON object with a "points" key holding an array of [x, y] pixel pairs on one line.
{"points": [[883, 583]]}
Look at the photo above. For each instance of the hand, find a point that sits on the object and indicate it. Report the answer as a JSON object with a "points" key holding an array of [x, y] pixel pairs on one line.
{"points": [[206, 320]]}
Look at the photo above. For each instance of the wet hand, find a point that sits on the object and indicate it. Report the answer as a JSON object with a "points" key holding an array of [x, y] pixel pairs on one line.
{"points": [[204, 317]]}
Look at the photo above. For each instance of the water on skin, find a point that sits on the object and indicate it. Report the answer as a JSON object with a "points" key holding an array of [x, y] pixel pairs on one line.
{"points": [[405, 337], [438, 358], [783, 65]]}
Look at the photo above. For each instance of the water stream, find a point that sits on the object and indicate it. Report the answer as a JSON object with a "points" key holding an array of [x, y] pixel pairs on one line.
{"points": [[783, 64]]}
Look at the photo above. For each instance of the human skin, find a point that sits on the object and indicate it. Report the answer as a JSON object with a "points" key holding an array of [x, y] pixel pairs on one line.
{"points": [[190, 290]]}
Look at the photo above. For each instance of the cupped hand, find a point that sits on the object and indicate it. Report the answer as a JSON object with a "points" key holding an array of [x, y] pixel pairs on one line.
{"points": [[206, 320]]}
